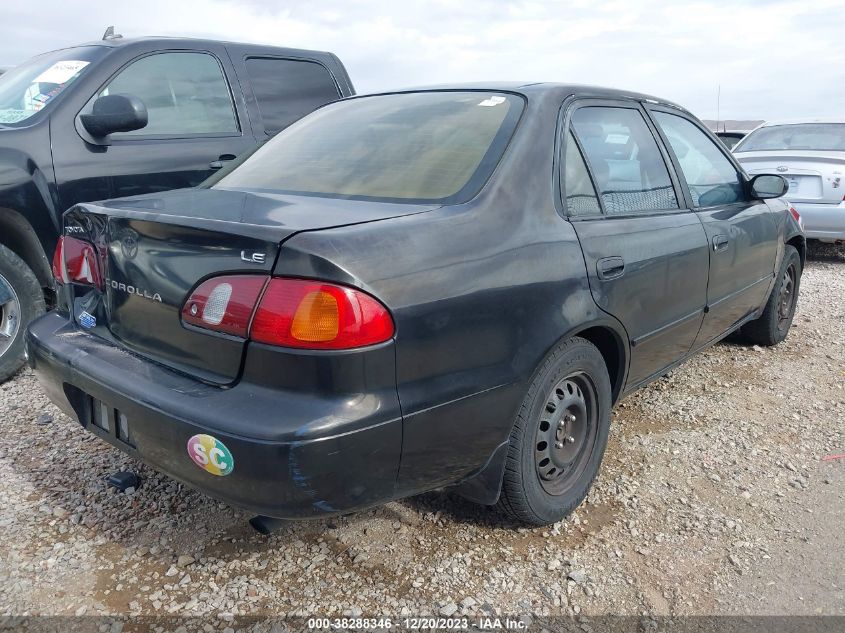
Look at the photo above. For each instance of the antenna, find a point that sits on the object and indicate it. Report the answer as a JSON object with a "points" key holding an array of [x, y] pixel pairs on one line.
{"points": [[718, 104], [111, 35]]}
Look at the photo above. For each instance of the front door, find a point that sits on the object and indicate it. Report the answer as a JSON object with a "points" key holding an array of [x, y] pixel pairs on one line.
{"points": [[193, 128], [646, 255], [741, 232]]}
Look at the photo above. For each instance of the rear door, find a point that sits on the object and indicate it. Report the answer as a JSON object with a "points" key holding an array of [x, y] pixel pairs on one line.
{"points": [[646, 255], [741, 232], [196, 124]]}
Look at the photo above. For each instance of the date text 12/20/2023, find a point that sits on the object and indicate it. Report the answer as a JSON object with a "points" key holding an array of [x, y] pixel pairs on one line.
{"points": [[418, 624]]}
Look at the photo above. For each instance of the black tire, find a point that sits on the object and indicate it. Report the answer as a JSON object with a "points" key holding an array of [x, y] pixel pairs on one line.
{"points": [[773, 325], [26, 305], [539, 494]]}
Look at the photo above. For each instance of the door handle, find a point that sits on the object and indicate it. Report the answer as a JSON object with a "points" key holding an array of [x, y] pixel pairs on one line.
{"points": [[610, 267], [720, 242], [223, 158]]}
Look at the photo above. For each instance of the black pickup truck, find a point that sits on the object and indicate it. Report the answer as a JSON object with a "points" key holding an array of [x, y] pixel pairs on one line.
{"points": [[120, 117]]}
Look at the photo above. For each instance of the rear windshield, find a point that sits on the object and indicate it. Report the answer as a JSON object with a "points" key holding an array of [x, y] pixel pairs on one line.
{"points": [[810, 136], [411, 147], [31, 87]]}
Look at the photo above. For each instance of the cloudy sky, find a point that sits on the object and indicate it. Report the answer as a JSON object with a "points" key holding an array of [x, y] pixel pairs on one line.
{"points": [[772, 58]]}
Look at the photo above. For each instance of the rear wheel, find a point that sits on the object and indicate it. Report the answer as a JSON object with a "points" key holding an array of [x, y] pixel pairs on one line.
{"points": [[21, 301], [559, 435], [773, 325]]}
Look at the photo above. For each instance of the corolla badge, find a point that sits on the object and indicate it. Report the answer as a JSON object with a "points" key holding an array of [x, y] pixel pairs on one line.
{"points": [[133, 290], [129, 243]]}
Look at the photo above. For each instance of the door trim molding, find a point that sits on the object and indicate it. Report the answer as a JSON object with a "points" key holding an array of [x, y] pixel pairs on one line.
{"points": [[664, 328]]}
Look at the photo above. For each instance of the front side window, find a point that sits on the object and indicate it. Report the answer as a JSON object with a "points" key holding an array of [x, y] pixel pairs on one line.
{"points": [[286, 89], [438, 146], [185, 94], [31, 87], [580, 194], [711, 177], [625, 161], [798, 136]]}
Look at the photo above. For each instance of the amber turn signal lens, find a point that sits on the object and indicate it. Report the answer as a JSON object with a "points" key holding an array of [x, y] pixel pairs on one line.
{"points": [[316, 318]]}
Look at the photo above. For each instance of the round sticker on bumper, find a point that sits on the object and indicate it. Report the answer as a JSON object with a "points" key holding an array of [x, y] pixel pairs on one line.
{"points": [[210, 454]]}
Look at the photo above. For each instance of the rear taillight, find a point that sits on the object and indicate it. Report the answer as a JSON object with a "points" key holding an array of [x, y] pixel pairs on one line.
{"points": [[224, 304], [75, 261], [299, 313], [797, 216]]}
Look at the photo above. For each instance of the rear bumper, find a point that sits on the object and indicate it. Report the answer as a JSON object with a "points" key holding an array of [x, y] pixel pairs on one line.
{"points": [[297, 453], [822, 221]]}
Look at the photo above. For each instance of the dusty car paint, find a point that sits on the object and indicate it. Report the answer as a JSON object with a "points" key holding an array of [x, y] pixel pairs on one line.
{"points": [[480, 292]]}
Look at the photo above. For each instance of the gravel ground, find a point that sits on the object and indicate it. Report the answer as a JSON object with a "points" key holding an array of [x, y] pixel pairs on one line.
{"points": [[714, 498]]}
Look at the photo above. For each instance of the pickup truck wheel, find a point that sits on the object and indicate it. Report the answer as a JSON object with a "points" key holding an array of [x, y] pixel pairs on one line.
{"points": [[773, 325], [21, 301], [559, 435]]}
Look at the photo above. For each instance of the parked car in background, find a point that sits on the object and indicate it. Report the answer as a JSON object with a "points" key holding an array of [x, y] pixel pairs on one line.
{"points": [[731, 138], [121, 117], [810, 154], [407, 291]]}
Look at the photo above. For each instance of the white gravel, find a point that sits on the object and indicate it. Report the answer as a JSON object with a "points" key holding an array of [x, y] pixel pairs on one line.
{"points": [[713, 498]]}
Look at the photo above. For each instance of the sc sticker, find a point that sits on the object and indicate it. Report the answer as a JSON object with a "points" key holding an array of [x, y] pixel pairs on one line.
{"points": [[210, 454]]}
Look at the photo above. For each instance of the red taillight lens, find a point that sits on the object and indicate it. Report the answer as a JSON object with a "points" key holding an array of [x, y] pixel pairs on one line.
{"points": [[797, 216], [315, 315], [75, 261], [300, 313], [224, 304]]}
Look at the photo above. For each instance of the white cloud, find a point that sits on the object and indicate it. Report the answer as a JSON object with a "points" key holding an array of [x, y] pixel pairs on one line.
{"points": [[772, 59]]}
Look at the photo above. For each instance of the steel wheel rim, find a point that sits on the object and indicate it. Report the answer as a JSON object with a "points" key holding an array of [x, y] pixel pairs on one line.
{"points": [[10, 319], [566, 433], [787, 295]]}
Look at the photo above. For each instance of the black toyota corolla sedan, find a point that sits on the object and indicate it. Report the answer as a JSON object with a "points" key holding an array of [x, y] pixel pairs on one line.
{"points": [[408, 291]]}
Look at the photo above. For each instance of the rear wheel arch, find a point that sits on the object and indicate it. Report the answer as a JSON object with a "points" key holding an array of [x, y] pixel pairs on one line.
{"points": [[799, 242], [485, 486], [611, 344], [20, 238]]}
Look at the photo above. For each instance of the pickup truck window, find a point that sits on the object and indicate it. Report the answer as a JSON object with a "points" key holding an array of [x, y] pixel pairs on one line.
{"points": [[28, 89], [710, 176], [580, 194], [624, 159], [436, 146], [185, 94], [287, 89]]}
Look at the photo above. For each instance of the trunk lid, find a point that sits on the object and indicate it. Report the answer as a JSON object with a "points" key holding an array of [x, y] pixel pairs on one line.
{"points": [[813, 176], [155, 250]]}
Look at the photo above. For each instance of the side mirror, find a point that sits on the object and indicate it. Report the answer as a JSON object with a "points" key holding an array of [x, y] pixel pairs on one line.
{"points": [[115, 113], [764, 186]]}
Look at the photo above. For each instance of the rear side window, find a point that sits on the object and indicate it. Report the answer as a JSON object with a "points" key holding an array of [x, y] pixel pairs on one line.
{"points": [[710, 176], [580, 194], [287, 90], [624, 159], [438, 146], [185, 94]]}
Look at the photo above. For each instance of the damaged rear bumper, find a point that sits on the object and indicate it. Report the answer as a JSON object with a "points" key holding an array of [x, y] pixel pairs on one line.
{"points": [[312, 442]]}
